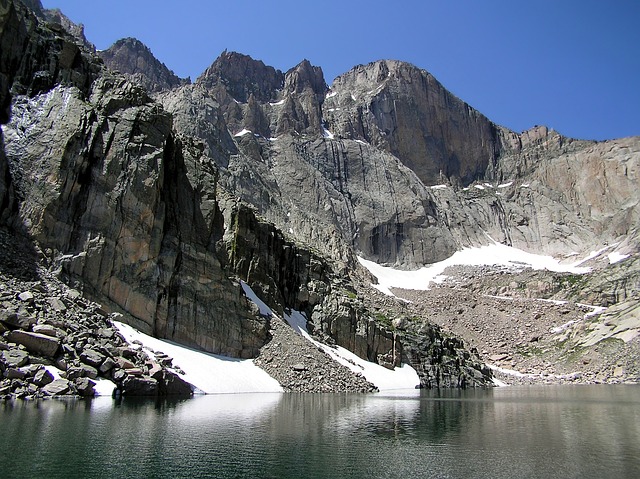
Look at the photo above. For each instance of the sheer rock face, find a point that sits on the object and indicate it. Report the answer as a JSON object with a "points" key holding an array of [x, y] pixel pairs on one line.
{"points": [[134, 59], [407, 112]]}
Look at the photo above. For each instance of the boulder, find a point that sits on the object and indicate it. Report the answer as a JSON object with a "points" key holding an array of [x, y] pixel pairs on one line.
{"points": [[14, 320], [36, 343], [174, 385], [59, 387], [84, 387], [45, 329], [125, 364], [58, 305], [88, 371], [107, 365], [26, 296], [155, 371], [92, 357], [14, 373], [118, 375], [42, 378], [15, 357], [139, 386]]}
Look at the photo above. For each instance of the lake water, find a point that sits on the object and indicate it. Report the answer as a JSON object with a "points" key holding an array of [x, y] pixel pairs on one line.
{"points": [[516, 432]]}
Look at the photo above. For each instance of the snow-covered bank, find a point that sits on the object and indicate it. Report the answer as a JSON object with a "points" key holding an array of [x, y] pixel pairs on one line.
{"points": [[209, 373], [404, 377], [103, 387], [494, 254]]}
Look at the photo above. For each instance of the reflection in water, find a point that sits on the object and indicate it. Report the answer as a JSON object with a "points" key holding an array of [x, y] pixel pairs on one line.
{"points": [[509, 432]]}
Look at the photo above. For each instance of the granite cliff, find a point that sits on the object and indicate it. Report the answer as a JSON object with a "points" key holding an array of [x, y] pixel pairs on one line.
{"points": [[155, 196]]}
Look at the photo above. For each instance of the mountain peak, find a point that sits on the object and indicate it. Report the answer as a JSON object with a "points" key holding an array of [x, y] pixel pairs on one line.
{"points": [[242, 76], [305, 76], [133, 58]]}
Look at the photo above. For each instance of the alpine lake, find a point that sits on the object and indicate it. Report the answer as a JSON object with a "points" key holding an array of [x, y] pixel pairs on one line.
{"points": [[510, 432]]}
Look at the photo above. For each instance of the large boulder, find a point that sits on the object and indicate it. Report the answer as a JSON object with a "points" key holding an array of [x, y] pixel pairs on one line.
{"points": [[36, 343], [59, 387], [15, 357], [174, 385], [139, 386]]}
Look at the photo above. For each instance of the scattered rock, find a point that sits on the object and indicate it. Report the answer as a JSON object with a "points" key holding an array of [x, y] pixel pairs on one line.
{"points": [[42, 378]]}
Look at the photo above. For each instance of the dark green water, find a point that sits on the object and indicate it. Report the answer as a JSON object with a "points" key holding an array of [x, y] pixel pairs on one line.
{"points": [[541, 432]]}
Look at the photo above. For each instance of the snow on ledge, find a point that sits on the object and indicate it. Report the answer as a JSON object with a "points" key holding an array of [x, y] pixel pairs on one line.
{"points": [[327, 134], [242, 132], [616, 257], [494, 254]]}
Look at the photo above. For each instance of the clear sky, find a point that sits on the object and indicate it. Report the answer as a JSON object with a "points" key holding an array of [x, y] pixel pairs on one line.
{"points": [[573, 65]]}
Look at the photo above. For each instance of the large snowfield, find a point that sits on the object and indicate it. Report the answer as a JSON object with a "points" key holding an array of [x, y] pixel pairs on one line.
{"points": [[495, 254]]}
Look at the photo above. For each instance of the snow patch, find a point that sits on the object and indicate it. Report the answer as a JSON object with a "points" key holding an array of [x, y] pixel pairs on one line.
{"points": [[616, 257], [327, 134], [480, 187], [505, 185], [277, 103], [438, 187], [331, 94], [209, 373]]}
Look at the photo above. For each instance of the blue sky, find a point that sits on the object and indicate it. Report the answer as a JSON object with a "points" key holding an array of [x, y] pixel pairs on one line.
{"points": [[573, 65]]}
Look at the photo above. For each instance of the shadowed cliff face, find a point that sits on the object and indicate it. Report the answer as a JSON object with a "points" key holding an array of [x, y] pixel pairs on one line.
{"points": [[103, 187], [111, 194]]}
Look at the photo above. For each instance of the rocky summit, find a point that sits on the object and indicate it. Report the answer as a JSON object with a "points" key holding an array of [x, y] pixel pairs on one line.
{"points": [[154, 197]]}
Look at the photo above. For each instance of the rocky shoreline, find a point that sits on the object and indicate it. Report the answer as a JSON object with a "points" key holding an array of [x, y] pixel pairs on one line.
{"points": [[44, 324]]}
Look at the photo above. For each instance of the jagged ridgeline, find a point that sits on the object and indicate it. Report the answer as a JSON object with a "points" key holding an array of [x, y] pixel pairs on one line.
{"points": [[156, 195]]}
